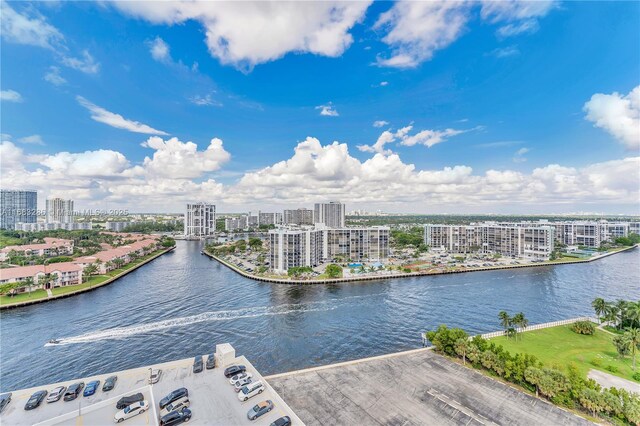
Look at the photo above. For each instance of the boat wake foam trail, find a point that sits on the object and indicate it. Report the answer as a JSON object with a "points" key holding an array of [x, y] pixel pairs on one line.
{"points": [[122, 332]]}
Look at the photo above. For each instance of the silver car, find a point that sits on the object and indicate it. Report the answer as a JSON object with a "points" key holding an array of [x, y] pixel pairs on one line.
{"points": [[260, 409], [56, 394]]}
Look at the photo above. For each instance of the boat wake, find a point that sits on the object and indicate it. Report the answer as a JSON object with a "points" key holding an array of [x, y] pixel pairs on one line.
{"points": [[123, 332]]}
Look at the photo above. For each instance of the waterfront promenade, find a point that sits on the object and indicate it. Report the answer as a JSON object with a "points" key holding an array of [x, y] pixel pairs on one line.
{"points": [[408, 274]]}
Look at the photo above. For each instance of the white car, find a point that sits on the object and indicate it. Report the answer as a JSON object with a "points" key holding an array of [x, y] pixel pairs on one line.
{"points": [[250, 390], [235, 379], [175, 406], [241, 383], [131, 411], [56, 394], [154, 376]]}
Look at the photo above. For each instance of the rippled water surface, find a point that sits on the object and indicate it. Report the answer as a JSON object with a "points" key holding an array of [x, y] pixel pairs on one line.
{"points": [[183, 304]]}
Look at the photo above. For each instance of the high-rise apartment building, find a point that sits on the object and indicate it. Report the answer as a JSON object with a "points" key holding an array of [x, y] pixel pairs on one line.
{"points": [[59, 210], [332, 214], [200, 220], [535, 242], [17, 206], [298, 217], [310, 246], [269, 218]]}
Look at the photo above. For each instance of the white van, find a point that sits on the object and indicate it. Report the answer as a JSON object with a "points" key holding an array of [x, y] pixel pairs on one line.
{"points": [[250, 390]]}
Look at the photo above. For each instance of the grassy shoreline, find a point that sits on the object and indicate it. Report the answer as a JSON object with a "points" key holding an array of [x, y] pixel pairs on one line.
{"points": [[96, 281]]}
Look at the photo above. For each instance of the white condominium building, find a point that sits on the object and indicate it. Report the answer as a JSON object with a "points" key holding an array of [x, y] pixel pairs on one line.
{"points": [[234, 223], [310, 246], [298, 217], [59, 210], [370, 244], [332, 214], [200, 220], [269, 218], [294, 247], [507, 240], [50, 226]]}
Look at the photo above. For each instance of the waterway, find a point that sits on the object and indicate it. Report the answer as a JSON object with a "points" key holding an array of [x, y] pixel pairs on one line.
{"points": [[184, 303]]}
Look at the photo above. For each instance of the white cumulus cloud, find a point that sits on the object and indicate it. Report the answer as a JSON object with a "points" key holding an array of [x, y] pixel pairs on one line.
{"points": [[327, 110], [85, 63], [10, 96], [380, 123], [618, 114], [427, 138], [159, 50], [24, 29], [244, 34], [116, 120], [53, 76]]}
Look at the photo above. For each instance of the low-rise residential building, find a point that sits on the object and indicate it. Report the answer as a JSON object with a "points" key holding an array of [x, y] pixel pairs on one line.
{"points": [[113, 258], [534, 242], [50, 247], [310, 246], [300, 216], [59, 275]]}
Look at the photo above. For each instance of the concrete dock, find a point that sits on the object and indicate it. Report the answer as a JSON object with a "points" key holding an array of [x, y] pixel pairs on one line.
{"points": [[411, 388], [213, 400]]}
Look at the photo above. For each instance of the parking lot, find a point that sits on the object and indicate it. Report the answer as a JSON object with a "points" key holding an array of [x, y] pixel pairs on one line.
{"points": [[413, 388], [213, 400]]}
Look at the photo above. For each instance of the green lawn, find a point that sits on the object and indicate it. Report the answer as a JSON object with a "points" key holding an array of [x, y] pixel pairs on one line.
{"points": [[22, 297], [559, 346], [93, 281]]}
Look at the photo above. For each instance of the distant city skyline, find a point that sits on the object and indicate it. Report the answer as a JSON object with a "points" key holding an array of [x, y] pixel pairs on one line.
{"points": [[407, 107]]}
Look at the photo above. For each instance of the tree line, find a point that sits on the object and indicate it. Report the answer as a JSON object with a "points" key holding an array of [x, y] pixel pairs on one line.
{"points": [[570, 390]]}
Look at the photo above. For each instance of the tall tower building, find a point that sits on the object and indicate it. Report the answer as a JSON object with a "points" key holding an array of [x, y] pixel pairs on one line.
{"points": [[17, 206], [200, 220], [59, 210], [331, 214]]}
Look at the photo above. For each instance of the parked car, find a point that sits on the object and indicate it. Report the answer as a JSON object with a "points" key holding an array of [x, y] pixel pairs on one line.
{"points": [[235, 379], [109, 384], [177, 405], [131, 411], [154, 376], [73, 391], [211, 361], [282, 421], [91, 388], [241, 383], [176, 417], [35, 400], [173, 396], [56, 394], [260, 409], [233, 370], [128, 400], [250, 390], [5, 399], [197, 364]]}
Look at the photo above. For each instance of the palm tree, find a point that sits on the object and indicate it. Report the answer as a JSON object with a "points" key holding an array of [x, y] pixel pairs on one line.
{"points": [[521, 321], [611, 313], [633, 334], [621, 306], [633, 314], [600, 307], [505, 320]]}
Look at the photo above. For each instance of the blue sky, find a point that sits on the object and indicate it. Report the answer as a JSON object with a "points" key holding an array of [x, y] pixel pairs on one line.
{"points": [[501, 90]]}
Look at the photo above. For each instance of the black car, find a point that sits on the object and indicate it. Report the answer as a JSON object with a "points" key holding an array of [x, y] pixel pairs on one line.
{"points": [[282, 421], [5, 399], [35, 400], [73, 391], [109, 384], [128, 400], [176, 417], [173, 396], [197, 364], [211, 362], [233, 370]]}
